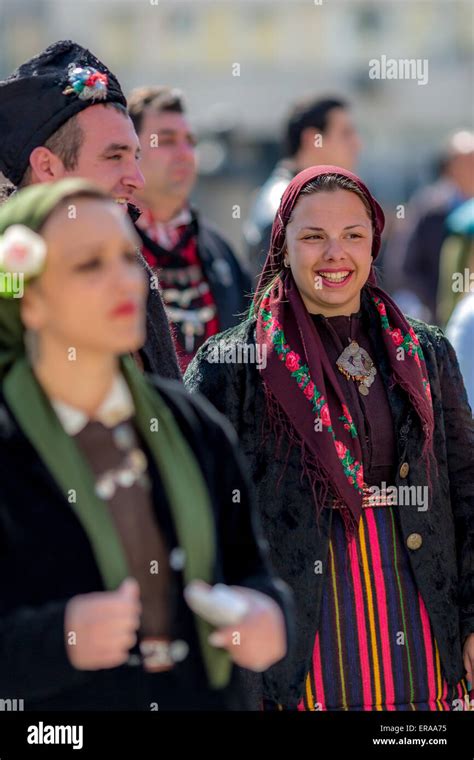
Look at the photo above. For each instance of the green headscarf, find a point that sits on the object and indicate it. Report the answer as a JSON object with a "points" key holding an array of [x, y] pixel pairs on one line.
{"points": [[181, 475]]}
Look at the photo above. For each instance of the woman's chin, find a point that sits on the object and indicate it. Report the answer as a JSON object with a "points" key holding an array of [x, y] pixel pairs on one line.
{"points": [[127, 344], [330, 300]]}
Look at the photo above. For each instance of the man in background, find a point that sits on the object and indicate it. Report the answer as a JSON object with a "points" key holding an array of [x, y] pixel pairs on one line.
{"points": [[413, 253], [317, 132], [204, 287], [63, 114]]}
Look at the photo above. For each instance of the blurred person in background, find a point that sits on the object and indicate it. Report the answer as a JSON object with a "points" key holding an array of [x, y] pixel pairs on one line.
{"points": [[460, 328], [318, 131], [203, 284], [63, 114], [456, 264], [106, 516], [413, 253]]}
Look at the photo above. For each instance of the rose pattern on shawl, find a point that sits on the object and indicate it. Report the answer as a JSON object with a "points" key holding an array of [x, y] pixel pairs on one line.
{"points": [[409, 342], [325, 416], [291, 361], [352, 468], [397, 336], [349, 425]]}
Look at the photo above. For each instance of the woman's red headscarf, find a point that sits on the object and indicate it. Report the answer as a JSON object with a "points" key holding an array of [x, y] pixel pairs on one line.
{"points": [[300, 382]]}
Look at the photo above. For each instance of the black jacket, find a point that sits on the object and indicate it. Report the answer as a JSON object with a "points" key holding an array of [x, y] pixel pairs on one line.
{"points": [[158, 353], [444, 564], [228, 280], [46, 558]]}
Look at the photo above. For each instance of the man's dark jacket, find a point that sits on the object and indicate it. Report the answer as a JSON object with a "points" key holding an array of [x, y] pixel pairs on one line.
{"points": [[46, 559], [158, 354], [444, 564]]}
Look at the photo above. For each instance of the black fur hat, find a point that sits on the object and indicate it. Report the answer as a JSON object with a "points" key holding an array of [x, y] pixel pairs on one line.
{"points": [[43, 93]]}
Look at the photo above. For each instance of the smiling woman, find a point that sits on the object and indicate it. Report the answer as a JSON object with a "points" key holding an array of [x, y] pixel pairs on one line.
{"points": [[353, 396], [330, 263]]}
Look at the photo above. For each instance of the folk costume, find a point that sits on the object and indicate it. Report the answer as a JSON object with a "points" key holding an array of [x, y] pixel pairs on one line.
{"points": [[330, 423], [204, 287], [35, 101], [87, 502]]}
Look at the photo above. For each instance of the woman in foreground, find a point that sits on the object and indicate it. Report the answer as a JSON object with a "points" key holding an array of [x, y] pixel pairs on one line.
{"points": [[117, 491]]}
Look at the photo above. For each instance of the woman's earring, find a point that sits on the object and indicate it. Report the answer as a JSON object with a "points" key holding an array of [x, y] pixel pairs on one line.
{"points": [[286, 263]]}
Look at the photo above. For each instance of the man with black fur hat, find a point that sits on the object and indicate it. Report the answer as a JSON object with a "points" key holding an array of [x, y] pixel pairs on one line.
{"points": [[63, 113]]}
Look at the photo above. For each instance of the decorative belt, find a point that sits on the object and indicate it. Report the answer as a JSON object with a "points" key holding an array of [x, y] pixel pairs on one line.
{"points": [[378, 498]]}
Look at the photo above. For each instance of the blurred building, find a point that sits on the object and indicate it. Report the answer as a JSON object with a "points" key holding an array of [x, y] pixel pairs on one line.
{"points": [[241, 62]]}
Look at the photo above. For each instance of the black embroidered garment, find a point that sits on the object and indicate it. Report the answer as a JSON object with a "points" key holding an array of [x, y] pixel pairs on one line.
{"points": [[158, 354], [188, 299], [221, 304], [442, 558]]}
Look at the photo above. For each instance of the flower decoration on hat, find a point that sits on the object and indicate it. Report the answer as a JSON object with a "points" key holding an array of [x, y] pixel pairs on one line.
{"points": [[22, 252], [86, 82]]}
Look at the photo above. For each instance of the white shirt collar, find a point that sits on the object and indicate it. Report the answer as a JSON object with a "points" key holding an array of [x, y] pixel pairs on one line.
{"points": [[115, 408], [182, 217], [166, 232]]}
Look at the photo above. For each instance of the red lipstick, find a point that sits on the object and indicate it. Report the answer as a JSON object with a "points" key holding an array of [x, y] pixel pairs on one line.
{"points": [[125, 309]]}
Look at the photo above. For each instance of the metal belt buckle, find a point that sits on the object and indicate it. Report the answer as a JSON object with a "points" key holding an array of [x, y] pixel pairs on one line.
{"points": [[156, 653], [369, 499]]}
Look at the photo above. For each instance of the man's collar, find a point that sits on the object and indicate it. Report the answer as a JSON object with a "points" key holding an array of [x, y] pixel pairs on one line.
{"points": [[165, 233], [182, 217]]}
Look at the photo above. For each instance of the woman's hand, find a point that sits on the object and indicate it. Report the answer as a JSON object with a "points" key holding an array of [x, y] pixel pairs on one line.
{"points": [[259, 640], [100, 628], [468, 659]]}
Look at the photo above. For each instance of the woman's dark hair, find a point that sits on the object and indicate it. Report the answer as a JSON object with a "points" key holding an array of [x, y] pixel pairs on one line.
{"points": [[326, 183]]}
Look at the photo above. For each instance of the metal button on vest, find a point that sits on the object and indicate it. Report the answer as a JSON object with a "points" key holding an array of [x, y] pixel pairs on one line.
{"points": [[414, 541], [404, 470]]}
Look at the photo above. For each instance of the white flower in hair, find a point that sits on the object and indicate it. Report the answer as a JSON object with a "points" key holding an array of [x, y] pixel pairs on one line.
{"points": [[22, 250]]}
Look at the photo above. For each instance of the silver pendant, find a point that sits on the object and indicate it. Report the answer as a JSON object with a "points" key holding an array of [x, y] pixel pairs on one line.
{"points": [[356, 364]]}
